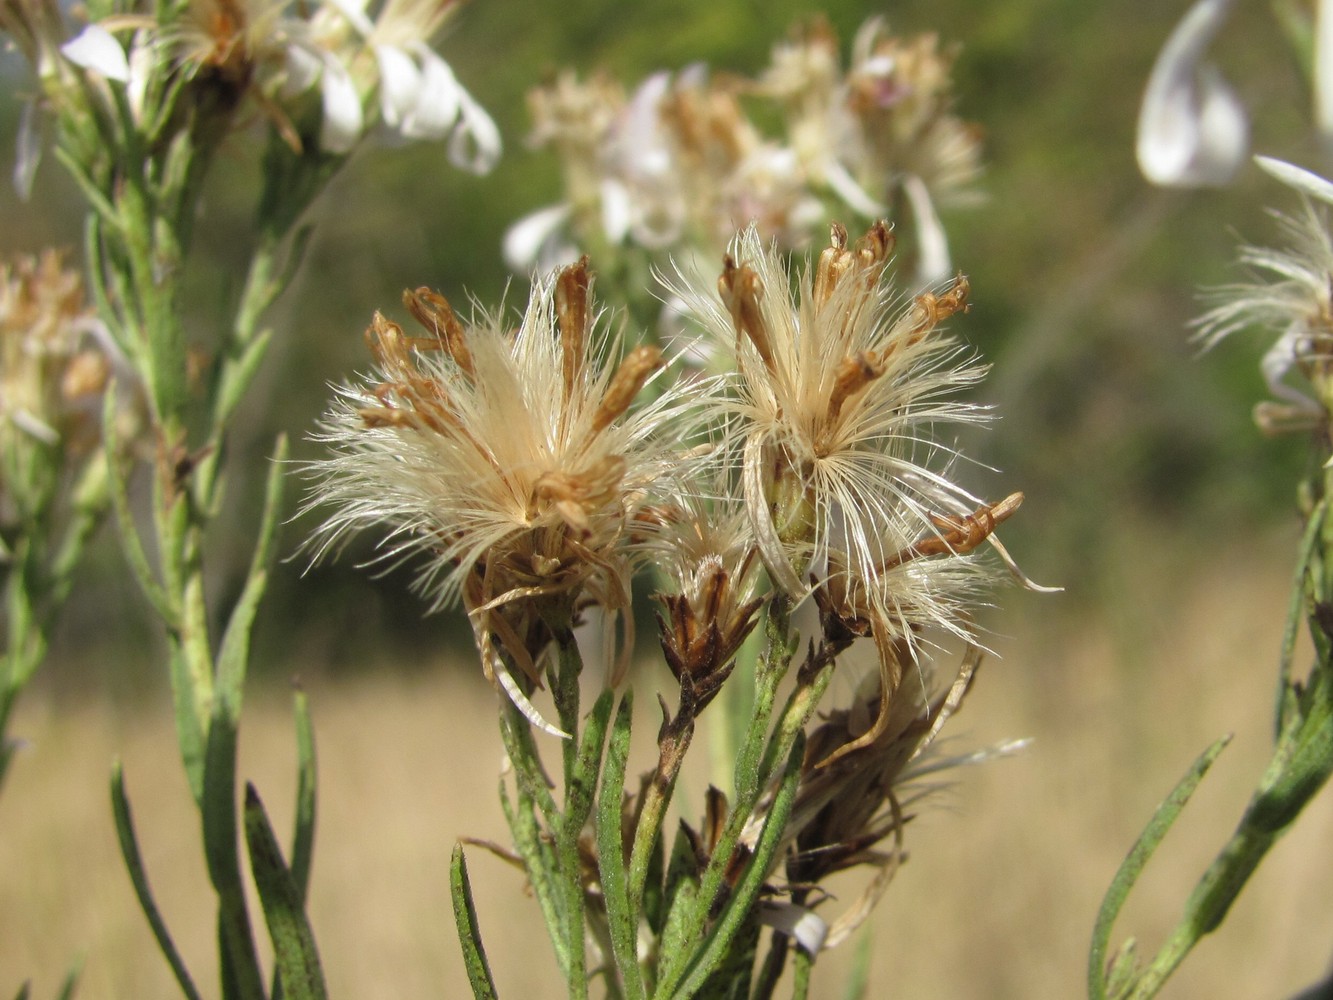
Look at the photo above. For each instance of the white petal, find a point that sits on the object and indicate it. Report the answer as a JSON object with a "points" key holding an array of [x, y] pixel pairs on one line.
{"points": [[1299, 179], [1323, 68], [524, 242], [1280, 359], [342, 122], [303, 68], [617, 210], [400, 81], [932, 244], [1192, 128], [96, 49], [27, 150], [799, 922], [437, 101], [35, 426], [475, 144], [845, 187]]}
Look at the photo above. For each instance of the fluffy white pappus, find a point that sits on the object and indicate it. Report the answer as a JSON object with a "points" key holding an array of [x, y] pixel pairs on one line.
{"points": [[507, 464], [1288, 294]]}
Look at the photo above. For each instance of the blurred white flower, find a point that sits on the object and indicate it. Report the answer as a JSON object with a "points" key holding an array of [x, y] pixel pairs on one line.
{"points": [[420, 97], [1323, 68], [1192, 129], [96, 49]]}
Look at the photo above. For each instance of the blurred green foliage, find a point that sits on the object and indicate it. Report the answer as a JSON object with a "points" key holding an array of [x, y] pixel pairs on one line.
{"points": [[1083, 278]]}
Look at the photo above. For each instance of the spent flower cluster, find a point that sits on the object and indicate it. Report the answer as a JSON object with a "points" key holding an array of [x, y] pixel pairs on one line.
{"points": [[535, 468]]}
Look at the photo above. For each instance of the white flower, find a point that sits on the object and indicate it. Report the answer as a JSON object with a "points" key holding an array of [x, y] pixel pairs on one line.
{"points": [[537, 242], [420, 97], [1192, 128]]}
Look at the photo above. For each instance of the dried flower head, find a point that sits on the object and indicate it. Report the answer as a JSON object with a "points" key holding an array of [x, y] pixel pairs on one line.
{"points": [[702, 544], [845, 810], [1291, 295], [838, 394], [836, 389], [56, 362], [512, 461]]}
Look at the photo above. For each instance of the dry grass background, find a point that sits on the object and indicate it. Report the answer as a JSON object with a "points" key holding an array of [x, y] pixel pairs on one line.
{"points": [[996, 902]]}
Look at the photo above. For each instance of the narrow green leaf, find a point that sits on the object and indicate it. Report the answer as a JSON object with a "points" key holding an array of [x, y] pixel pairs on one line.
{"points": [[129, 850], [622, 923], [1136, 860], [131, 544], [1296, 615], [857, 986], [218, 807], [236, 375], [469, 931], [303, 842], [1122, 969], [802, 965], [70, 982], [234, 652], [97, 201], [539, 862], [97, 290], [303, 839], [588, 764], [25, 992], [294, 950], [189, 729]]}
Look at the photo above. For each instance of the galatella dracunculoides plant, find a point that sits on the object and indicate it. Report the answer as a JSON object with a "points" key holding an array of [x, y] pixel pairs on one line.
{"points": [[534, 468]]}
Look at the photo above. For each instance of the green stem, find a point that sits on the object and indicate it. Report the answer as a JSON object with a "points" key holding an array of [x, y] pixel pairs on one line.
{"points": [[749, 784], [671, 754], [571, 823]]}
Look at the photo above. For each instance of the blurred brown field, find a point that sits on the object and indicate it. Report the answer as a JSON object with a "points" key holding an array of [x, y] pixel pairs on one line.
{"points": [[997, 901]]}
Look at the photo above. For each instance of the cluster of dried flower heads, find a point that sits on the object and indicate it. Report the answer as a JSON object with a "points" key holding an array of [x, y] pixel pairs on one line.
{"points": [[534, 469]]}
